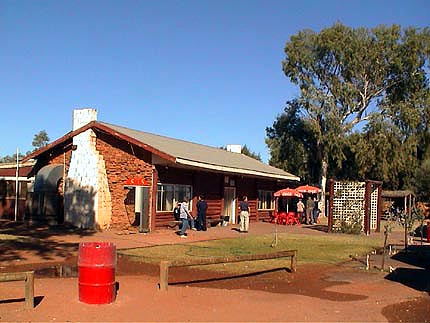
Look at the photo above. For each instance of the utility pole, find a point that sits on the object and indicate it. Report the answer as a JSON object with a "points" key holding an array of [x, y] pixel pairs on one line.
{"points": [[16, 185]]}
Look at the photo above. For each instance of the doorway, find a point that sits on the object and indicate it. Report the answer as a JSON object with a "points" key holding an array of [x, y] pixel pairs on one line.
{"points": [[230, 203]]}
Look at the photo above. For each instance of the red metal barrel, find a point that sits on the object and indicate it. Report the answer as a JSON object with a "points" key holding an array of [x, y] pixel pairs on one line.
{"points": [[96, 264]]}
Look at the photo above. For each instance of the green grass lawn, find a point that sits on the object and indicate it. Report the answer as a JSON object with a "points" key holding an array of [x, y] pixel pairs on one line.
{"points": [[15, 238], [327, 249]]}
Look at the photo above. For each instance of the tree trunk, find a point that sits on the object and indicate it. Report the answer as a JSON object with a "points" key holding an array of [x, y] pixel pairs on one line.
{"points": [[383, 251], [323, 183]]}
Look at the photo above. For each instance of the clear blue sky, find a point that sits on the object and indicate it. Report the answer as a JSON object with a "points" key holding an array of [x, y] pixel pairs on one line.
{"points": [[203, 71]]}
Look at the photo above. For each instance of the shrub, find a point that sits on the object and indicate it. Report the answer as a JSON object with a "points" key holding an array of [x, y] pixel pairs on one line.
{"points": [[351, 225]]}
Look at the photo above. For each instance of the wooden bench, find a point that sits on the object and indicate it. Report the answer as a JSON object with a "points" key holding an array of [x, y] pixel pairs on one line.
{"points": [[28, 278], [165, 264]]}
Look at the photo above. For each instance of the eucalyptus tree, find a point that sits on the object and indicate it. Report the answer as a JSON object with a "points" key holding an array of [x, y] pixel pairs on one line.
{"points": [[377, 153], [407, 105], [343, 75], [292, 144], [422, 180], [40, 139]]}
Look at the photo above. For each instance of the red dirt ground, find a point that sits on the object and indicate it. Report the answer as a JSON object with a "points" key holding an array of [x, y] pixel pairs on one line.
{"points": [[315, 293]]}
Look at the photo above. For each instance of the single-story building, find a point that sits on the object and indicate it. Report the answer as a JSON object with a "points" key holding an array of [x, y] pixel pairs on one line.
{"points": [[10, 177], [108, 176]]}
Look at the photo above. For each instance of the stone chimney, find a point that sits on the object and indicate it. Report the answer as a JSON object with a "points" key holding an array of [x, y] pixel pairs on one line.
{"points": [[87, 200], [83, 116]]}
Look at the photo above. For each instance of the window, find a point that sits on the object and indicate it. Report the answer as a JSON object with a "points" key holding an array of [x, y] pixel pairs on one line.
{"points": [[169, 194], [165, 197], [265, 200]]}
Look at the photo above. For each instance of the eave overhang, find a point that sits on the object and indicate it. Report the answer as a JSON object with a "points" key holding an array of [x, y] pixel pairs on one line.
{"points": [[241, 171]]}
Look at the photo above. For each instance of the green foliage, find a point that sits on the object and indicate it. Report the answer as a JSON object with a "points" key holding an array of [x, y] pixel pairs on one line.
{"points": [[408, 220], [388, 228], [350, 227], [379, 155], [422, 180], [40, 140], [246, 151], [11, 159], [418, 214], [378, 78], [292, 145]]}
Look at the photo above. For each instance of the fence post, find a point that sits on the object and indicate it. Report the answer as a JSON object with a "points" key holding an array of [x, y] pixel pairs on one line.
{"points": [[29, 289], [294, 262], [164, 275]]}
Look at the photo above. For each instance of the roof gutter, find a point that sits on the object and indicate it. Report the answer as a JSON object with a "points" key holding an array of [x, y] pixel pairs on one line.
{"points": [[235, 170]]}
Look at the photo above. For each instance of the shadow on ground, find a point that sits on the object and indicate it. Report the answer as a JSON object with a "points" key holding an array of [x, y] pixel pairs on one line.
{"points": [[319, 227], [411, 311], [417, 273], [16, 238]]}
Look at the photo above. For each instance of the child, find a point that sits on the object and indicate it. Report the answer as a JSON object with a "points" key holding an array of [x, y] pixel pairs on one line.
{"points": [[176, 211]]}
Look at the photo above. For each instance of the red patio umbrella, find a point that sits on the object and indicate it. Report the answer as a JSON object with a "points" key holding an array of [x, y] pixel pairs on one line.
{"points": [[288, 192], [308, 189]]}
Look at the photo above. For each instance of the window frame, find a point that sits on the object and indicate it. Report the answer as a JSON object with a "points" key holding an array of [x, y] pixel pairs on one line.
{"points": [[262, 200], [175, 192]]}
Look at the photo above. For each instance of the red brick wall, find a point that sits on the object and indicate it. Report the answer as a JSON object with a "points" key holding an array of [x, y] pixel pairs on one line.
{"points": [[123, 161], [56, 156], [60, 160]]}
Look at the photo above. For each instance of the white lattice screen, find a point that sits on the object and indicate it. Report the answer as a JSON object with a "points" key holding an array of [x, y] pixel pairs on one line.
{"points": [[374, 208], [349, 204], [348, 201]]}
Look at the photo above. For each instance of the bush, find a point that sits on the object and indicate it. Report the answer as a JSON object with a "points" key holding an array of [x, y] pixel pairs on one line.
{"points": [[351, 225]]}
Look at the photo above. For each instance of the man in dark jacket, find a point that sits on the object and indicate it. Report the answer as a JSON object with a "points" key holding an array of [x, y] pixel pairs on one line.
{"points": [[202, 207]]}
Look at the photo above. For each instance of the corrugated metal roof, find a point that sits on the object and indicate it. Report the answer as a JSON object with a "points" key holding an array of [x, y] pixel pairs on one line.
{"points": [[47, 178], [193, 154]]}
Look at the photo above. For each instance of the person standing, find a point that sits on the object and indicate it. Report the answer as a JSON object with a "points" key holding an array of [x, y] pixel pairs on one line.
{"points": [[316, 211], [301, 211], [202, 207], [309, 209], [184, 214], [244, 215]]}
